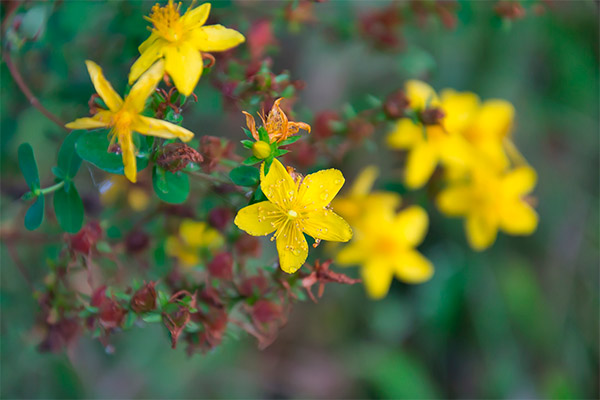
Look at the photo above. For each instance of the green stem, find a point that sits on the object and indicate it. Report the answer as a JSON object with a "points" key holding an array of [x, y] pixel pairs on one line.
{"points": [[52, 188]]}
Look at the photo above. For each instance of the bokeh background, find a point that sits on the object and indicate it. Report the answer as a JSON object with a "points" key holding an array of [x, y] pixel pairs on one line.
{"points": [[519, 320]]}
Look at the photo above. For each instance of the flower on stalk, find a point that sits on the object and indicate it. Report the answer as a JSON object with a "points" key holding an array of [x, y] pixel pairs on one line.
{"points": [[294, 208], [384, 246], [180, 39], [125, 116], [491, 201], [193, 238], [276, 131]]}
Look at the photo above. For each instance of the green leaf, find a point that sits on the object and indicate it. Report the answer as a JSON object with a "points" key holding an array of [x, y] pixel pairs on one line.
{"points": [[93, 147], [251, 160], [170, 187], [28, 166], [68, 160], [69, 209], [291, 140], [263, 134], [35, 214], [280, 152], [244, 175], [33, 23], [247, 143], [150, 318], [248, 134], [258, 196]]}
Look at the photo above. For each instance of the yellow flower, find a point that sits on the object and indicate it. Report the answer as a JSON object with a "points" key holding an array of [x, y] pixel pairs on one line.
{"points": [[277, 125], [360, 198], [490, 201], [384, 246], [293, 209], [420, 95], [427, 146], [180, 39], [193, 237], [124, 116]]}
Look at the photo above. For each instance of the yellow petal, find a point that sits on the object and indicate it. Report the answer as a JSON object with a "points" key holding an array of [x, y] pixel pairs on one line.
{"points": [[148, 42], [192, 232], [455, 150], [258, 219], [351, 254], [481, 231], [519, 181], [377, 276], [100, 120], [184, 64], [318, 189], [493, 121], [148, 57], [103, 87], [420, 164], [411, 225], [128, 154], [145, 86], [197, 16], [459, 109], [518, 218], [278, 185], [412, 267], [292, 249], [159, 128], [454, 201], [420, 95], [327, 225], [216, 38], [364, 181], [406, 134]]}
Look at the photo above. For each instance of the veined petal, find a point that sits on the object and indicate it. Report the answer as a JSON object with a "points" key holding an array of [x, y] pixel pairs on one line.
{"points": [[184, 65], [327, 225], [454, 201], [351, 254], [519, 181], [406, 134], [151, 53], [159, 128], [128, 153], [377, 276], [144, 87], [481, 231], [411, 225], [148, 42], [100, 120], [318, 189], [420, 164], [197, 16], [292, 248], [412, 267], [258, 219], [103, 87], [518, 218], [216, 38], [278, 185]]}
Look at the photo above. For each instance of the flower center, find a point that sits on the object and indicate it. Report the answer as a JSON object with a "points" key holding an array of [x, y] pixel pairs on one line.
{"points": [[292, 214], [121, 121], [167, 21]]}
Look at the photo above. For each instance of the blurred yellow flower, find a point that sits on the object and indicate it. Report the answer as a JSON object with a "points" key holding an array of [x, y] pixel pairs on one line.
{"points": [[192, 239], [360, 198], [420, 95], [180, 39], [124, 116], [293, 209], [490, 201], [384, 246], [111, 189], [277, 124]]}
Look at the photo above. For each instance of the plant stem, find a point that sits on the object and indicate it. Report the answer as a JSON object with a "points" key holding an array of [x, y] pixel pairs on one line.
{"points": [[27, 92], [52, 188]]}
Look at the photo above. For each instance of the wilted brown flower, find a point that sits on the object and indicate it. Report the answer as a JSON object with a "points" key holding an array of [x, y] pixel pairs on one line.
{"points": [[176, 156]]}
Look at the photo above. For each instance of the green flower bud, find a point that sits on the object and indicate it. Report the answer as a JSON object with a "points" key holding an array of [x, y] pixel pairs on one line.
{"points": [[261, 150]]}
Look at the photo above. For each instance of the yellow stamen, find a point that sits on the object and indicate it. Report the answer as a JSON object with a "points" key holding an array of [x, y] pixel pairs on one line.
{"points": [[167, 21]]}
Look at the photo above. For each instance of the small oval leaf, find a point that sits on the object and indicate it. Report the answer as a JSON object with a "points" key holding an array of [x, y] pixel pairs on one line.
{"points": [[244, 175], [35, 214], [93, 146], [28, 166], [170, 187], [69, 209], [68, 159]]}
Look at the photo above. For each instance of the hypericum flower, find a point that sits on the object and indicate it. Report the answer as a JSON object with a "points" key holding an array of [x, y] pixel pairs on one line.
{"points": [[277, 125], [295, 208], [361, 199], [490, 201], [384, 246], [180, 39], [193, 237], [124, 116]]}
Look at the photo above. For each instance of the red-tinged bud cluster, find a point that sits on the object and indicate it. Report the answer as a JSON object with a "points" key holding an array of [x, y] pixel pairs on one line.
{"points": [[259, 38], [221, 266], [254, 286], [321, 274], [144, 299], [304, 154], [381, 27], [396, 104], [60, 335], [213, 150], [444, 10], [432, 116], [110, 314], [265, 311], [84, 241], [510, 10], [176, 156], [360, 129], [248, 246], [214, 324], [323, 124], [220, 217], [137, 241]]}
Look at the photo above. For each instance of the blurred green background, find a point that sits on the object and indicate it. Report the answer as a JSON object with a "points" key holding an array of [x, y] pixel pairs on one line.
{"points": [[519, 320]]}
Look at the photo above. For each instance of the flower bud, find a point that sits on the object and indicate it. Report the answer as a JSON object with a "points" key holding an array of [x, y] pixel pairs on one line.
{"points": [[110, 313], [265, 311], [144, 299], [220, 217], [261, 150], [221, 266]]}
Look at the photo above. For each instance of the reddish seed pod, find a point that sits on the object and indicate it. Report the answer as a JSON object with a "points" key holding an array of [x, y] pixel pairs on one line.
{"points": [[144, 299]]}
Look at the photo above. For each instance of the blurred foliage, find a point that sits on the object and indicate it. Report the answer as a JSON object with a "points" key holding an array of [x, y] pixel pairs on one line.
{"points": [[517, 321]]}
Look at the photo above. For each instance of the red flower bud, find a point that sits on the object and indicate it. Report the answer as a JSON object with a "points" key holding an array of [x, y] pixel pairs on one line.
{"points": [[395, 104], [265, 311], [84, 240], [221, 266], [248, 245], [220, 217], [322, 125], [254, 285], [144, 299], [110, 313], [136, 241]]}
